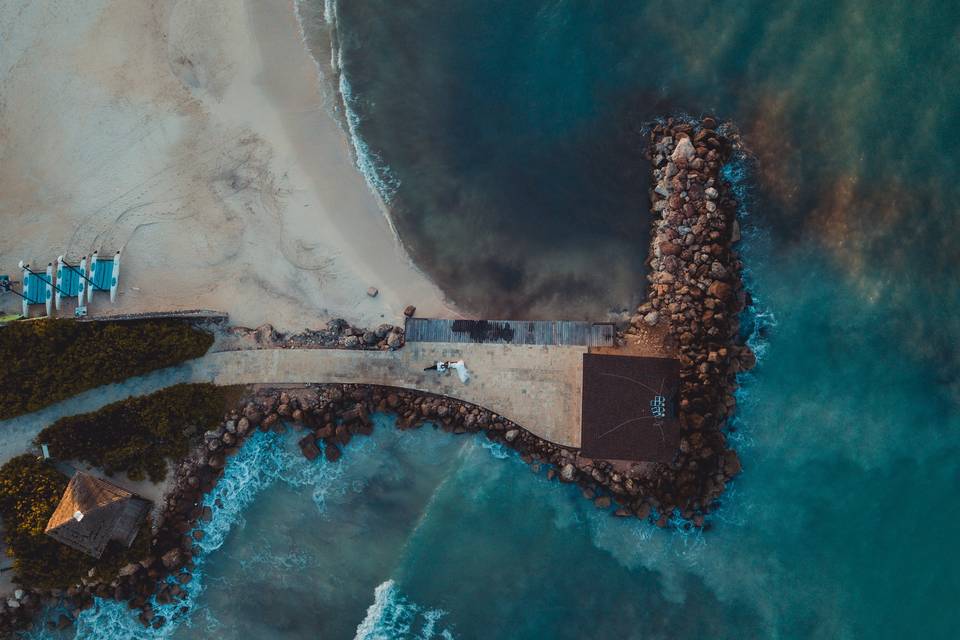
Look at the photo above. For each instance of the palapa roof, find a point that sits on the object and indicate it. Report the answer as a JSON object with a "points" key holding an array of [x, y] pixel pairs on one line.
{"points": [[92, 512]]}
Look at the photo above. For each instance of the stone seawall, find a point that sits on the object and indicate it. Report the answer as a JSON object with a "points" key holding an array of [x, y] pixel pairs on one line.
{"points": [[696, 291]]}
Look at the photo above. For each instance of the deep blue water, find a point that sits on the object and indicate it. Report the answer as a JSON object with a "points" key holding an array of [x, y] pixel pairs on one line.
{"points": [[503, 134]]}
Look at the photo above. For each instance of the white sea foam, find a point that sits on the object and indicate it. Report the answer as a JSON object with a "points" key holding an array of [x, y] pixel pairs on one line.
{"points": [[497, 450], [380, 179], [377, 174], [394, 617], [265, 459]]}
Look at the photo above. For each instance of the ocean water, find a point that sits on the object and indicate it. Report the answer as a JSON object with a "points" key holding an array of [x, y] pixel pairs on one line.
{"points": [[508, 131], [503, 135]]}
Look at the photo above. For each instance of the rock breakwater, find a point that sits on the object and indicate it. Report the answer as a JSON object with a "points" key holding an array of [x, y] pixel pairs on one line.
{"points": [[337, 334], [695, 298], [696, 291]]}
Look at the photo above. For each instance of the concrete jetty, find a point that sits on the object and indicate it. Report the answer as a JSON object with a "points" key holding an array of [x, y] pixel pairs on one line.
{"points": [[537, 386]]}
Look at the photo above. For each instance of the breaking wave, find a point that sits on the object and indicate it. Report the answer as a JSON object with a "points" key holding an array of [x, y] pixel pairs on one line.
{"points": [[265, 459], [393, 617]]}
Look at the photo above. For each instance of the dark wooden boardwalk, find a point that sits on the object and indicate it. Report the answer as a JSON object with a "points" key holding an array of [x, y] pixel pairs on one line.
{"points": [[528, 332]]}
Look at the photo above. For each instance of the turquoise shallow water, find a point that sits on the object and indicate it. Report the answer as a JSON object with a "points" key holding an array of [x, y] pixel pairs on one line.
{"points": [[502, 131]]}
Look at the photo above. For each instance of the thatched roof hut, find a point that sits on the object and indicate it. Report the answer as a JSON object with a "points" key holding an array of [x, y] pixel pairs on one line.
{"points": [[93, 511]]}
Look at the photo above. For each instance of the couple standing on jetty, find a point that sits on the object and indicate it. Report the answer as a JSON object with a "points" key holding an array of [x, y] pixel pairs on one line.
{"points": [[443, 367]]}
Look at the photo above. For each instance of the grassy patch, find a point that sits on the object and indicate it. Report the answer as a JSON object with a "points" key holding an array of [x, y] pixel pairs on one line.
{"points": [[46, 361], [137, 435], [30, 490]]}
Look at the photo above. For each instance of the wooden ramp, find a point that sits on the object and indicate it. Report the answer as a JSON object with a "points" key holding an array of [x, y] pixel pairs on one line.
{"points": [[520, 332]]}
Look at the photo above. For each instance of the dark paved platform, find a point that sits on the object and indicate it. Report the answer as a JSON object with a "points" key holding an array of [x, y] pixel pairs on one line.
{"points": [[629, 408]]}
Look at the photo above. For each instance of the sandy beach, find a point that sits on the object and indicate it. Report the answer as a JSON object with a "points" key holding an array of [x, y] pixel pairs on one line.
{"points": [[194, 137]]}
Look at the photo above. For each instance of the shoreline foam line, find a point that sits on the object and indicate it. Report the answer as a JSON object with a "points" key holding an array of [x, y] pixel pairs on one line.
{"points": [[365, 160]]}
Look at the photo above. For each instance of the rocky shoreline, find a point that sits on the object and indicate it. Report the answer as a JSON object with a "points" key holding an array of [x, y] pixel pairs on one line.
{"points": [[337, 334], [696, 290], [695, 293]]}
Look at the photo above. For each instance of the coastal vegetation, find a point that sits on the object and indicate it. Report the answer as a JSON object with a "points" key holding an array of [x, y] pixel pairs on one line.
{"points": [[30, 490], [138, 435], [46, 361]]}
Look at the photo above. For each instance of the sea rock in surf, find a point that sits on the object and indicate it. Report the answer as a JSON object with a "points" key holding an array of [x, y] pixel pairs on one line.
{"points": [[731, 463], [372, 292], [332, 452], [308, 446]]}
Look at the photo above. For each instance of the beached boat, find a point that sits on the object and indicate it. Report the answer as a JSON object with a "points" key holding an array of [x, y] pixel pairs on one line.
{"points": [[104, 275], [71, 281], [37, 288]]}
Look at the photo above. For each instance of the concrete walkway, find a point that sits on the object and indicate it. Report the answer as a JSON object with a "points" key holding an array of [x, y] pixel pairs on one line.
{"points": [[538, 387]]}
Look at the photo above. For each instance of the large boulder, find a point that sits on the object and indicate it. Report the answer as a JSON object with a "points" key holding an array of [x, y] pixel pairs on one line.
{"points": [[670, 249], [308, 446], [731, 463], [684, 150], [720, 290], [332, 452], [266, 335], [172, 559]]}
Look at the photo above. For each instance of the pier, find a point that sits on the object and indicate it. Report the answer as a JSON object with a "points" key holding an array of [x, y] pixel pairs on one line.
{"points": [[539, 387], [536, 386]]}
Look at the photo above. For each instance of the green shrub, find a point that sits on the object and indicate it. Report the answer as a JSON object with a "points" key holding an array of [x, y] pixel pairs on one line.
{"points": [[136, 435], [30, 490], [46, 361]]}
